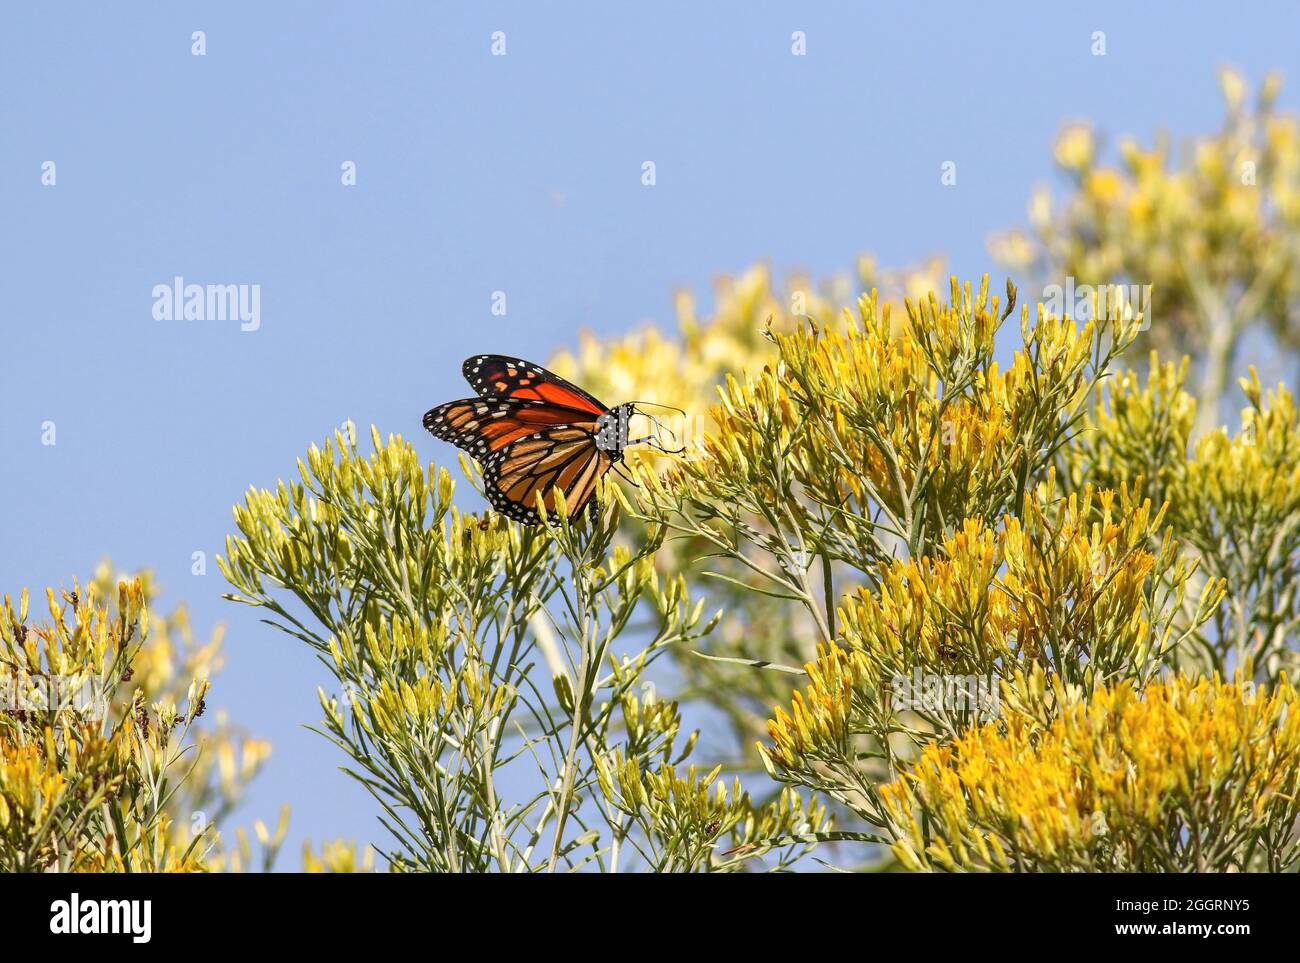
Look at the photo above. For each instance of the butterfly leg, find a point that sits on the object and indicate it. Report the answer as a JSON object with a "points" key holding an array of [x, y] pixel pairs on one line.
{"points": [[653, 441]]}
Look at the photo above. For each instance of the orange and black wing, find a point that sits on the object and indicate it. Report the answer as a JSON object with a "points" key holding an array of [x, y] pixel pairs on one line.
{"points": [[482, 426], [526, 448], [499, 376], [531, 469]]}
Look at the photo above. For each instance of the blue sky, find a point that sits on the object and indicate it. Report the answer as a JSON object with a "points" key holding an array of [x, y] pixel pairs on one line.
{"points": [[475, 174]]}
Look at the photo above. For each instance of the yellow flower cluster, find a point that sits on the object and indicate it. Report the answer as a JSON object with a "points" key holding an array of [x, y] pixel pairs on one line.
{"points": [[818, 723], [1067, 586], [427, 705], [34, 780], [688, 812], [1234, 500], [686, 370], [92, 641], [338, 856], [1252, 479], [1136, 431], [1209, 231], [104, 703], [921, 423], [1184, 774]]}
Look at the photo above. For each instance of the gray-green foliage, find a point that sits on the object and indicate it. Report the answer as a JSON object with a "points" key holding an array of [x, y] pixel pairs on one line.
{"points": [[474, 655]]}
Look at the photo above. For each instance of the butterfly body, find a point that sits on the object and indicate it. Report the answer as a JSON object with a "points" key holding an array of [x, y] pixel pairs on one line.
{"points": [[533, 433], [611, 430]]}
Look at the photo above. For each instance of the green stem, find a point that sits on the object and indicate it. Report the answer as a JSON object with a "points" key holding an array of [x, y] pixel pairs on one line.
{"points": [[828, 584]]}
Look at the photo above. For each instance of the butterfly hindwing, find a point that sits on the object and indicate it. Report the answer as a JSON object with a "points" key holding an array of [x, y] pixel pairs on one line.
{"points": [[498, 375], [564, 457]]}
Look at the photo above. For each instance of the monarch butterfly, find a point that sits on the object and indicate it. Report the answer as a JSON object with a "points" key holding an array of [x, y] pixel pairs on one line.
{"points": [[533, 433]]}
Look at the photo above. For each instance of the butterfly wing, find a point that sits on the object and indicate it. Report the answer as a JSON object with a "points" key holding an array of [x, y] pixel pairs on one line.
{"points": [[532, 468], [497, 375], [526, 448], [481, 426]]}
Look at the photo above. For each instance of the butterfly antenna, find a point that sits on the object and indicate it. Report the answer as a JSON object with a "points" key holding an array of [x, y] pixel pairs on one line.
{"points": [[653, 438], [653, 442], [658, 446], [655, 404], [660, 426]]}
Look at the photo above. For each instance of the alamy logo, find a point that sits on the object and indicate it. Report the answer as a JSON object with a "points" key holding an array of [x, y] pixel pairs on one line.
{"points": [[23, 691], [131, 916], [933, 692], [179, 301], [1099, 302]]}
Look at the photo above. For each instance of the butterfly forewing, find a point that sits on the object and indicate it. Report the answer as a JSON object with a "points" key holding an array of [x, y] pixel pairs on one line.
{"points": [[497, 375], [480, 425]]}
